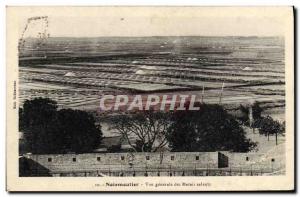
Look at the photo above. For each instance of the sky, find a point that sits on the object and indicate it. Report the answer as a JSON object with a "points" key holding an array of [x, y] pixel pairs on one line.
{"points": [[158, 23]]}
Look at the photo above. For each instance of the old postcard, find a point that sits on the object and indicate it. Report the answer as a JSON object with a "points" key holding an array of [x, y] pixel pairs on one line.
{"points": [[150, 99]]}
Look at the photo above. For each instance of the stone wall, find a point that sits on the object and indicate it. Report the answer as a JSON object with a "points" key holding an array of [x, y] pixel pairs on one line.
{"points": [[139, 163], [153, 164], [254, 161]]}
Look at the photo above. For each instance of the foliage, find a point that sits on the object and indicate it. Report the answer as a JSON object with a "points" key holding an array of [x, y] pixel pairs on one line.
{"points": [[147, 127], [209, 129], [77, 131], [36, 112], [268, 126], [49, 130], [244, 116], [256, 113]]}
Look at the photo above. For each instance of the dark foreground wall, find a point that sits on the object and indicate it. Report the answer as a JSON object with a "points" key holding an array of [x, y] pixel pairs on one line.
{"points": [[29, 167]]}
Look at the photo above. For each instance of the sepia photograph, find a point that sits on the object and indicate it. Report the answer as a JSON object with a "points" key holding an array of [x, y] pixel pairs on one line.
{"points": [[150, 98]]}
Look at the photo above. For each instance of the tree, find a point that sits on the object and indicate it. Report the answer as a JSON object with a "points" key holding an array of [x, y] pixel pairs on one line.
{"points": [[244, 114], [77, 131], [256, 111], [37, 120], [36, 112], [49, 131], [209, 129], [256, 115], [268, 126], [148, 128]]}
